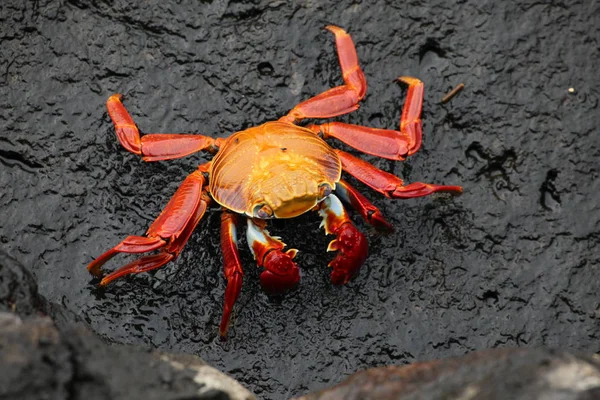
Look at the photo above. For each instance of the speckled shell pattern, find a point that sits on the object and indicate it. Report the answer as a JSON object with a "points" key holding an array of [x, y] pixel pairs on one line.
{"points": [[271, 163]]}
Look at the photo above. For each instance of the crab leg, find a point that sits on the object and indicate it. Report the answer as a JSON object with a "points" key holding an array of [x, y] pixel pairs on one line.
{"points": [[367, 210], [351, 244], [387, 184], [386, 143], [169, 232], [232, 266], [341, 99], [281, 273], [157, 146]]}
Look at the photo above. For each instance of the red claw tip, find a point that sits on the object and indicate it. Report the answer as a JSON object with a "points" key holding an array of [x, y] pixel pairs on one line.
{"points": [[281, 273], [353, 250]]}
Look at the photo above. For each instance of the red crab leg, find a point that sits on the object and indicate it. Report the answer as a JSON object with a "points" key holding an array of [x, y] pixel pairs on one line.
{"points": [[232, 267], [386, 143], [169, 232], [387, 184], [157, 146], [367, 210], [281, 273], [341, 99], [350, 243]]}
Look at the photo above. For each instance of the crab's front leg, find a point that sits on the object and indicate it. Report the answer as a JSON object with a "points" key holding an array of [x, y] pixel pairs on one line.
{"points": [[231, 265], [351, 244], [367, 210], [281, 273]]}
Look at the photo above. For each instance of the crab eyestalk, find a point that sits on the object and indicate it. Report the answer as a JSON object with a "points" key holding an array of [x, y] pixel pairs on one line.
{"points": [[350, 243]]}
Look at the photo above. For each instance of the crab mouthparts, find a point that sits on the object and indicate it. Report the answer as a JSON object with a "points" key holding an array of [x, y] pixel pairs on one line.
{"points": [[294, 207]]}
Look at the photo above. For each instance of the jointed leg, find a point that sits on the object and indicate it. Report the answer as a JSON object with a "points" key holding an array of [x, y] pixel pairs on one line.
{"points": [[386, 143], [351, 244], [169, 232], [232, 266], [341, 99], [367, 210], [281, 273], [387, 184], [157, 146]]}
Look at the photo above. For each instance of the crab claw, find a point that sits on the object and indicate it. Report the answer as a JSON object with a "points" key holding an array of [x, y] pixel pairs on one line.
{"points": [[350, 243], [281, 273], [352, 247]]}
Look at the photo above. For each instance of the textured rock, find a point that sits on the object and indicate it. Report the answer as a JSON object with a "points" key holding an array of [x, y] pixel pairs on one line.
{"points": [[37, 361], [517, 374], [511, 262], [18, 290]]}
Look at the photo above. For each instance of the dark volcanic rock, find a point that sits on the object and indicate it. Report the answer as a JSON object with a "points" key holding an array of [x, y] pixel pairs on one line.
{"points": [[18, 290], [511, 262], [37, 361], [19, 295], [516, 374]]}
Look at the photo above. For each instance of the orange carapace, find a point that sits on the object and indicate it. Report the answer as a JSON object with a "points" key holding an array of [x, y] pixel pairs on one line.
{"points": [[276, 170]]}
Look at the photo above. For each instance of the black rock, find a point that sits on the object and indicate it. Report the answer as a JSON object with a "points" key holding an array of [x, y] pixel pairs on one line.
{"points": [[38, 361], [18, 290], [511, 262], [515, 374]]}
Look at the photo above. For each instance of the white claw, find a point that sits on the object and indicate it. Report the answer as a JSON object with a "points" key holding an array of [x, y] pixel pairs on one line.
{"points": [[331, 205], [255, 234]]}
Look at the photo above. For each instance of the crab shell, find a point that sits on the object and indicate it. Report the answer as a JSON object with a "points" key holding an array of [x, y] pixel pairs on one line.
{"points": [[275, 170]]}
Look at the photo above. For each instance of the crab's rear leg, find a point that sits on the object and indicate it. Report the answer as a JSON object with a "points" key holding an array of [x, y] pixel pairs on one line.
{"points": [[341, 99], [387, 184], [156, 146], [281, 272], [351, 244], [386, 143], [169, 232]]}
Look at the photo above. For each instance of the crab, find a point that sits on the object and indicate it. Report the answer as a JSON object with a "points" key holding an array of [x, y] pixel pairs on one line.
{"points": [[276, 170]]}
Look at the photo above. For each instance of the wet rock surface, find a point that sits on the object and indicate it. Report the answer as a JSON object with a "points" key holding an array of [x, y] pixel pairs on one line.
{"points": [[511, 262], [518, 374]]}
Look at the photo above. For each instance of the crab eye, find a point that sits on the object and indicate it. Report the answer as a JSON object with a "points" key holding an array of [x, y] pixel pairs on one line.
{"points": [[263, 211], [324, 190]]}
